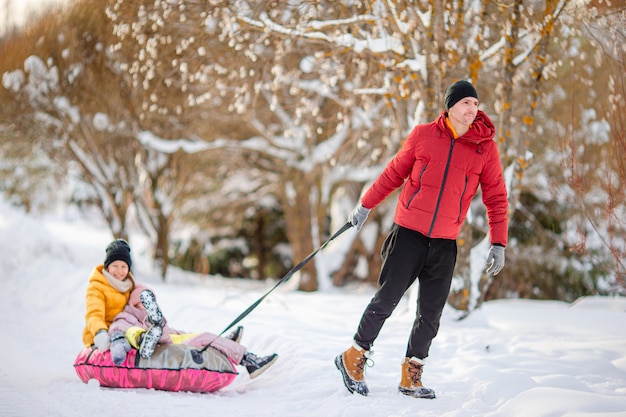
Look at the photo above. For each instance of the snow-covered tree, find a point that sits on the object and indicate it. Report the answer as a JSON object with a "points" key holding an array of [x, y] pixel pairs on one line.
{"points": [[593, 133], [567, 227], [58, 85], [330, 89], [300, 110], [227, 106], [69, 86]]}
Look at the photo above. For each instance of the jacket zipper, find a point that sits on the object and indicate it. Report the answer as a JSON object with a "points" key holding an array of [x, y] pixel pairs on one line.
{"points": [[443, 182]]}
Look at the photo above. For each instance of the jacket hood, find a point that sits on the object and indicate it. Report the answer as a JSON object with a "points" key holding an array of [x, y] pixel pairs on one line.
{"points": [[482, 128]]}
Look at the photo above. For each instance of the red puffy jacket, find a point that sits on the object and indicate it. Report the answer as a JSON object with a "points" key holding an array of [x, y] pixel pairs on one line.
{"points": [[442, 176]]}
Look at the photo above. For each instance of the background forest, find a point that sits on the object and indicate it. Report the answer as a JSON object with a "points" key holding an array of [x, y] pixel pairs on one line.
{"points": [[238, 135]]}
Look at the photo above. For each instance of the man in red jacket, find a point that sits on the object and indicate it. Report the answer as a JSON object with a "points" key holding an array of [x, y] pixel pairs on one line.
{"points": [[440, 167]]}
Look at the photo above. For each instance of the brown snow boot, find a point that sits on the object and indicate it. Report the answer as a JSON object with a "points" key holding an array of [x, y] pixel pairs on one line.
{"points": [[351, 364], [411, 382]]}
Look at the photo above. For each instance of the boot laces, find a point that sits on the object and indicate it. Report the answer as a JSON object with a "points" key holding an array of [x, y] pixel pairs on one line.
{"points": [[363, 361], [415, 373]]}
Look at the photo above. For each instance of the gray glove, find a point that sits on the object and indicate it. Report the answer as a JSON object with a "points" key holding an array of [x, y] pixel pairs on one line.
{"points": [[358, 216], [495, 259], [101, 340], [119, 347]]}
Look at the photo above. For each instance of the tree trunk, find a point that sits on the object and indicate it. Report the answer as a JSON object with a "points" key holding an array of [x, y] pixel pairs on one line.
{"points": [[358, 251], [459, 299], [260, 246], [161, 250], [298, 218]]}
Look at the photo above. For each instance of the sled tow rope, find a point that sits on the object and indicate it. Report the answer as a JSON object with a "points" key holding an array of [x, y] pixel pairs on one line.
{"points": [[197, 354]]}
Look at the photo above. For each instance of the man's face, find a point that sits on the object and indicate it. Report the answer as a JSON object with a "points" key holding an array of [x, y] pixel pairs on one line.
{"points": [[464, 111]]}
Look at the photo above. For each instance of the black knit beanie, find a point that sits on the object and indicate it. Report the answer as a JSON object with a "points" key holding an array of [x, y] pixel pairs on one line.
{"points": [[118, 250], [458, 91]]}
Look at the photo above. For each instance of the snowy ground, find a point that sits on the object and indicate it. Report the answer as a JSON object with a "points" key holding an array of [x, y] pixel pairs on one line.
{"points": [[511, 358]]}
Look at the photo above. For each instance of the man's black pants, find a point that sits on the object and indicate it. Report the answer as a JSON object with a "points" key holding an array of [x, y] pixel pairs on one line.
{"points": [[409, 255]]}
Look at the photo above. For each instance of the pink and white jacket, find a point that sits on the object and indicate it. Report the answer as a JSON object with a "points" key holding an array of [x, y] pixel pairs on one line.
{"points": [[135, 317]]}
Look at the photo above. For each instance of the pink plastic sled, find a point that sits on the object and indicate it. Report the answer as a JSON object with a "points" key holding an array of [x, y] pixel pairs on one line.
{"points": [[171, 368]]}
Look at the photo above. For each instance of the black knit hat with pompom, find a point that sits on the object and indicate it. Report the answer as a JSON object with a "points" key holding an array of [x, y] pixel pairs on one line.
{"points": [[118, 250]]}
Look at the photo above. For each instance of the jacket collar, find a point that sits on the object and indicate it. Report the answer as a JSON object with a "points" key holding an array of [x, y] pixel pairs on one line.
{"points": [[482, 128]]}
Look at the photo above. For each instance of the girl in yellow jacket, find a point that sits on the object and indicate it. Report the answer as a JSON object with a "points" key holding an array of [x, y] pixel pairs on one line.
{"points": [[108, 292]]}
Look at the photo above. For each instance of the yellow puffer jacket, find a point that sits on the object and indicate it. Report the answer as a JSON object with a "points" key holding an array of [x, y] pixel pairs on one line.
{"points": [[103, 303]]}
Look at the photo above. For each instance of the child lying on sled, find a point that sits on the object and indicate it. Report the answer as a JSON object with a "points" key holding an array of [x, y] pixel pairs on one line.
{"points": [[141, 325]]}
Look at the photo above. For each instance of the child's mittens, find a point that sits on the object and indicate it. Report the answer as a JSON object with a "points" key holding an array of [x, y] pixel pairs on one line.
{"points": [[101, 340], [119, 348]]}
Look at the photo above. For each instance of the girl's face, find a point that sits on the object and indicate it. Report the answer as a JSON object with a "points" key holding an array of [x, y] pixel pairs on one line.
{"points": [[118, 269]]}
